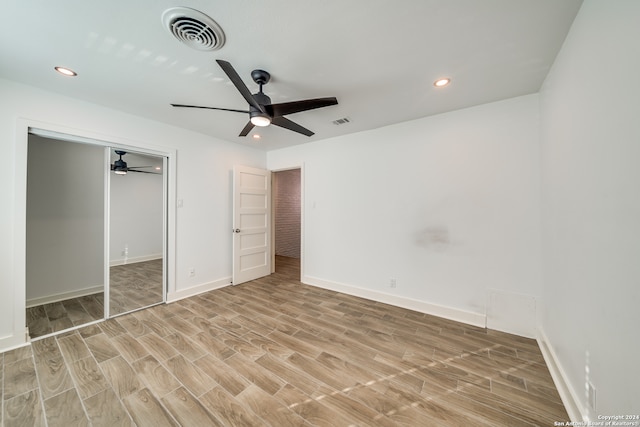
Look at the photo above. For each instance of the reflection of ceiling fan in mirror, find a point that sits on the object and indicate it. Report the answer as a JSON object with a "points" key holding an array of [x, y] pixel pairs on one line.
{"points": [[120, 167]]}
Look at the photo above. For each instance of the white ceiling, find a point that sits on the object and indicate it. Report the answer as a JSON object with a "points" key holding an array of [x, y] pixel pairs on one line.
{"points": [[378, 57]]}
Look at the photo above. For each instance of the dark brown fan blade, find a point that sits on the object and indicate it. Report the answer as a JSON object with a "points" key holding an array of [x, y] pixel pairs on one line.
{"points": [[288, 124], [277, 110], [247, 128], [210, 108], [238, 83], [137, 171]]}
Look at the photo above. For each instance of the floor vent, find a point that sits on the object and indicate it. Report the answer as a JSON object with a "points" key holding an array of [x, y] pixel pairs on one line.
{"points": [[193, 28]]}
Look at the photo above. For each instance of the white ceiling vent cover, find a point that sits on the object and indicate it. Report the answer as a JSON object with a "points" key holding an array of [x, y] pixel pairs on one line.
{"points": [[193, 28]]}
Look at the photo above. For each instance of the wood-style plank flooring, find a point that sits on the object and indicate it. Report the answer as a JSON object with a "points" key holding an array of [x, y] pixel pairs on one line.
{"points": [[136, 285], [275, 352], [132, 286]]}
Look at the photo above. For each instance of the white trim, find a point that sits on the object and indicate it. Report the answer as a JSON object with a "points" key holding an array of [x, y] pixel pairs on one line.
{"points": [[127, 261], [17, 336], [107, 231], [575, 410], [165, 225], [470, 318], [14, 346], [65, 295], [198, 289], [302, 216]]}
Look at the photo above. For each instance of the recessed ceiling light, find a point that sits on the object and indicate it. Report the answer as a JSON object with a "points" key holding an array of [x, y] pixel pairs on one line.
{"points": [[256, 136], [66, 71], [158, 168], [442, 82]]}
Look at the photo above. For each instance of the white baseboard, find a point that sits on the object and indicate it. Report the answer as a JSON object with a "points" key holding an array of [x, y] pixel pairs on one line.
{"points": [[65, 295], [570, 399], [124, 261], [198, 289], [11, 343], [470, 318]]}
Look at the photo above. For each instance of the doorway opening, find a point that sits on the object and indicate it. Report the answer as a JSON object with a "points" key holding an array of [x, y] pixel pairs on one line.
{"points": [[287, 221]]}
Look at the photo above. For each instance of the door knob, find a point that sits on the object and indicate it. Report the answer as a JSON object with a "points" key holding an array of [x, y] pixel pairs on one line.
{"points": [[237, 230]]}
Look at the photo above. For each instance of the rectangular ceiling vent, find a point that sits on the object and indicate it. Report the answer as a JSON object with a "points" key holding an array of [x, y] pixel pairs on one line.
{"points": [[342, 121]]}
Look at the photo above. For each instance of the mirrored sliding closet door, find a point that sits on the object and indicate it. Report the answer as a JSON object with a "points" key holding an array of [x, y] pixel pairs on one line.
{"points": [[96, 221], [136, 249], [65, 219]]}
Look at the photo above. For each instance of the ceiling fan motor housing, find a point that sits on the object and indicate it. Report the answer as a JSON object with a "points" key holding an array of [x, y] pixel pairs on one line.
{"points": [[120, 165], [263, 100]]}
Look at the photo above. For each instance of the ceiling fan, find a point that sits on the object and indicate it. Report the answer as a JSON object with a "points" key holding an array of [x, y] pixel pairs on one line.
{"points": [[120, 167], [261, 111]]}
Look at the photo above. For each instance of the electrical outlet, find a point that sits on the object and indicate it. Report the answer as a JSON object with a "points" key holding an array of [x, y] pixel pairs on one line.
{"points": [[392, 283], [192, 272]]}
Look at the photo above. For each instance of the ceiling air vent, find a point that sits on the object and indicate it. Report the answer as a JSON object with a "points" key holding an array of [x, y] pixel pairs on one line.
{"points": [[342, 121], [193, 28]]}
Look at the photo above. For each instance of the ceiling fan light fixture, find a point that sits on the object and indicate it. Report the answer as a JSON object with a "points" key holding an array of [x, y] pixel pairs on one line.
{"points": [[260, 120], [120, 172]]}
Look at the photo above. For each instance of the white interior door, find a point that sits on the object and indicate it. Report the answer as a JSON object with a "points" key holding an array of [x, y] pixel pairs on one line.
{"points": [[251, 223]]}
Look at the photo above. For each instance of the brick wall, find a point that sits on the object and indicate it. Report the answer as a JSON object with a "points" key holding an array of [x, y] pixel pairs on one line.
{"points": [[286, 200]]}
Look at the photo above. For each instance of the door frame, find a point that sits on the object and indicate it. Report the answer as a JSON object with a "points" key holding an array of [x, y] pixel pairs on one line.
{"points": [[302, 218], [19, 334]]}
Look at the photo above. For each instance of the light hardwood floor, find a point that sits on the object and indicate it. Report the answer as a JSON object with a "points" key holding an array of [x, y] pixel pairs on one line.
{"points": [[132, 286], [275, 352]]}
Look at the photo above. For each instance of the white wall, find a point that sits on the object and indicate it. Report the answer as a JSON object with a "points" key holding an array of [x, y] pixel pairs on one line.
{"points": [[65, 219], [136, 217], [590, 105], [202, 180], [447, 205]]}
